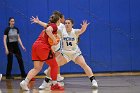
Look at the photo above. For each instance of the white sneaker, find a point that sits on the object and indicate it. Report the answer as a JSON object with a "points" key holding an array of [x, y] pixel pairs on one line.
{"points": [[94, 83], [0, 77], [45, 85], [61, 83], [24, 86], [60, 78]]}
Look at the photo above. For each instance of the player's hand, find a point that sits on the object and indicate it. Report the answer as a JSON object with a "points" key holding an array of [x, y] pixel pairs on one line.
{"points": [[55, 42], [84, 24], [34, 20]]}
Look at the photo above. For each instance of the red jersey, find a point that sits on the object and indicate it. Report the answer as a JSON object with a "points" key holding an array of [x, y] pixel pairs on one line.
{"points": [[41, 47], [43, 37]]}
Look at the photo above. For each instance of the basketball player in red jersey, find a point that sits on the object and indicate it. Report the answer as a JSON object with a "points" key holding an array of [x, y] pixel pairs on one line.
{"points": [[41, 52]]}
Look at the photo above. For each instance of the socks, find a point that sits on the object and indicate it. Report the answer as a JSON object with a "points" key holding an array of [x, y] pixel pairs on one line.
{"points": [[26, 80], [47, 79], [58, 75], [91, 78]]}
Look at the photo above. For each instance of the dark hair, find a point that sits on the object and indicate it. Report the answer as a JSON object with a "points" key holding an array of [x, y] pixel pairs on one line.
{"points": [[53, 18], [58, 13], [78, 40], [10, 20], [70, 20]]}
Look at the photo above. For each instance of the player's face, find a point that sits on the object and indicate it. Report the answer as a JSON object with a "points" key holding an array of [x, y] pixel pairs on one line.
{"points": [[63, 19], [58, 22], [68, 24], [12, 22]]}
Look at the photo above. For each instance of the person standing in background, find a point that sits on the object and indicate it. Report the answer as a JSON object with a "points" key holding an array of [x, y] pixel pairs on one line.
{"points": [[11, 39]]}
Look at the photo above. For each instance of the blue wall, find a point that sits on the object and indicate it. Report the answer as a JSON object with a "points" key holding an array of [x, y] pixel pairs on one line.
{"points": [[111, 42]]}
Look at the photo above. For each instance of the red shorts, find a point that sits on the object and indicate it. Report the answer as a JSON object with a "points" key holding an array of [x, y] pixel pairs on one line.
{"points": [[40, 52]]}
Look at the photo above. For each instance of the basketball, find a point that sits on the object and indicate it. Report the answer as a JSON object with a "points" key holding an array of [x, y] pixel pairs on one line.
{"points": [[51, 41]]}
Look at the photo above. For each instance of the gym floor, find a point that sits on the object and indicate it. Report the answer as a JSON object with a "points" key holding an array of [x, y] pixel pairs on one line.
{"points": [[107, 84]]}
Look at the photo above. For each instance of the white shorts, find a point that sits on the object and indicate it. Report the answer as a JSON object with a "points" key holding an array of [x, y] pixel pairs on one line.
{"points": [[70, 54]]}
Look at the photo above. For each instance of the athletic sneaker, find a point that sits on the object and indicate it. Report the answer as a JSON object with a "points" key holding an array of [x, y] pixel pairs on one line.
{"points": [[60, 78], [57, 87], [0, 77], [45, 85], [61, 83], [24, 86], [94, 83]]}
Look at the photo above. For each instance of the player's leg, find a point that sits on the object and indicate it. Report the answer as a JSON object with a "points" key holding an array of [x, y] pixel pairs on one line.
{"points": [[32, 73], [60, 61], [47, 71], [53, 74], [46, 83], [81, 61], [59, 77]]}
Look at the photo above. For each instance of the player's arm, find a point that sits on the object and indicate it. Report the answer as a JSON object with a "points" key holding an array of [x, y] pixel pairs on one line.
{"points": [[37, 21], [50, 34], [83, 27]]}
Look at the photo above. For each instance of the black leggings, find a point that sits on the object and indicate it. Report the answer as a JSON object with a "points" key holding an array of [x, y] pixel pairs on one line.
{"points": [[14, 49]]}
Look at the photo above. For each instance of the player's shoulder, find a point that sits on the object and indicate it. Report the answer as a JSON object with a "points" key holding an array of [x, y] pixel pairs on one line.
{"points": [[52, 25]]}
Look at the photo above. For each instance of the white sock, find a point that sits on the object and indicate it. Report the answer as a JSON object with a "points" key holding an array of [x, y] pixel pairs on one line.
{"points": [[26, 80], [54, 82], [58, 75]]}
